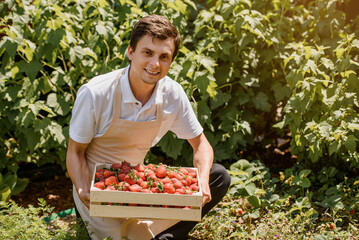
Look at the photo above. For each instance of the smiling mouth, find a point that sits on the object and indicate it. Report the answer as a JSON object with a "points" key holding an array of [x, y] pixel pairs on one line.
{"points": [[154, 73]]}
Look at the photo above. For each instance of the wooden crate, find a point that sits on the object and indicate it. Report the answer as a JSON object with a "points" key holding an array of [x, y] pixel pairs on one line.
{"points": [[150, 205]]}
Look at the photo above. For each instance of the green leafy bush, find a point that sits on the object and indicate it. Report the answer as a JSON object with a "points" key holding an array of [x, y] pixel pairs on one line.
{"points": [[245, 66], [28, 223]]}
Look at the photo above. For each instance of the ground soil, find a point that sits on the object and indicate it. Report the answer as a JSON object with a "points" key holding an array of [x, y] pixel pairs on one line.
{"points": [[49, 182]]}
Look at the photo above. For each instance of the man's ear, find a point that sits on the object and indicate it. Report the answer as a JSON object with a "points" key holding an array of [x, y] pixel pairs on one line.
{"points": [[130, 52]]}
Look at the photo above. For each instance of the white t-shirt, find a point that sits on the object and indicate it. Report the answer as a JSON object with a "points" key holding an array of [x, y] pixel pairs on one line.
{"points": [[92, 111]]}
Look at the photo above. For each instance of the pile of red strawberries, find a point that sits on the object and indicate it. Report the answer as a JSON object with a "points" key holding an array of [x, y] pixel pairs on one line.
{"points": [[147, 179]]}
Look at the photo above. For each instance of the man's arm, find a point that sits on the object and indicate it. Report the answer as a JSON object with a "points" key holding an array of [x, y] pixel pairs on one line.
{"points": [[78, 170], [203, 160]]}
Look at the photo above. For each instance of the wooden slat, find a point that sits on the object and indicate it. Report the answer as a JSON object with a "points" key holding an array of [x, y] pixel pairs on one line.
{"points": [[145, 212]]}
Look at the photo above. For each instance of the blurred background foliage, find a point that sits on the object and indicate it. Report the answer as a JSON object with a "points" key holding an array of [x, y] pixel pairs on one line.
{"points": [[259, 74]]}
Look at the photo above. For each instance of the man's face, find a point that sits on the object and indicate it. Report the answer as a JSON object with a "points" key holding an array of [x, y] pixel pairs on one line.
{"points": [[151, 60]]}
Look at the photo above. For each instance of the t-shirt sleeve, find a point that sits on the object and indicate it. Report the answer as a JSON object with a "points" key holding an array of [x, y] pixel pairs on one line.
{"points": [[186, 124], [82, 123]]}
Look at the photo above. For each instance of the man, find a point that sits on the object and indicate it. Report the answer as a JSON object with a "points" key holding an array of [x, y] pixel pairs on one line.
{"points": [[118, 116]]}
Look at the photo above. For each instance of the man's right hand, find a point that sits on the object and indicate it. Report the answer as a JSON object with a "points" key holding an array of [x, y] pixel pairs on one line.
{"points": [[78, 170], [84, 197]]}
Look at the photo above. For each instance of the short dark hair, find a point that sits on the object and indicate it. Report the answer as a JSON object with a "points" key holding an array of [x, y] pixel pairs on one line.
{"points": [[155, 26]]}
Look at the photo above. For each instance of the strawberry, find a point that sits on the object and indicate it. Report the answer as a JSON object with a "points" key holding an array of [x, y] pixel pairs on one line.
{"points": [[155, 190], [184, 171], [129, 180], [108, 173], [141, 175], [189, 181], [184, 182], [146, 190], [144, 185], [161, 171], [123, 186], [135, 188], [115, 166], [150, 167], [152, 177], [140, 168], [168, 188], [194, 180], [125, 166], [111, 188], [100, 185], [240, 211], [194, 188], [192, 174], [122, 176], [149, 172], [180, 191], [179, 176], [177, 184], [111, 180], [139, 181], [102, 179], [171, 174], [98, 175], [166, 180]]}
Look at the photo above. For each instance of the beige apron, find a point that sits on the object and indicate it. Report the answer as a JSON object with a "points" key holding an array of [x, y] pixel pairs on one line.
{"points": [[123, 141]]}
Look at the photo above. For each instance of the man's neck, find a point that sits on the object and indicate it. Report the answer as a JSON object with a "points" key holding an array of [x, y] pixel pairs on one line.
{"points": [[142, 91]]}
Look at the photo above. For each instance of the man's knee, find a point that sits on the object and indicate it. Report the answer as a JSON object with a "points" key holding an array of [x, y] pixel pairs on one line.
{"points": [[219, 178]]}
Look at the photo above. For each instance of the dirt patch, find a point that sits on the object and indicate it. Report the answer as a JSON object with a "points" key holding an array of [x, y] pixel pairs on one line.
{"points": [[48, 182]]}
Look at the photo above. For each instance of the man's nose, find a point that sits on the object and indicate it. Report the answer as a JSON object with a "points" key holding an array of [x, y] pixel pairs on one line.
{"points": [[155, 61]]}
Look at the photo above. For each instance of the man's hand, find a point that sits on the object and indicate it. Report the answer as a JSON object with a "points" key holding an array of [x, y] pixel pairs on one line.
{"points": [[206, 193], [203, 160], [84, 197], [78, 170]]}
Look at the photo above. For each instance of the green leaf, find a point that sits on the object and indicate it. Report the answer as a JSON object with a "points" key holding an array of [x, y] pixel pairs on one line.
{"points": [[10, 180], [201, 80], [171, 145], [20, 186], [339, 52], [350, 143], [311, 213], [250, 188], [293, 77], [280, 92], [327, 63], [305, 183], [55, 36], [208, 63], [211, 89], [242, 165], [31, 69], [261, 102], [60, 103], [10, 47], [56, 132], [334, 147], [5, 194], [254, 201], [304, 173], [254, 214]]}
